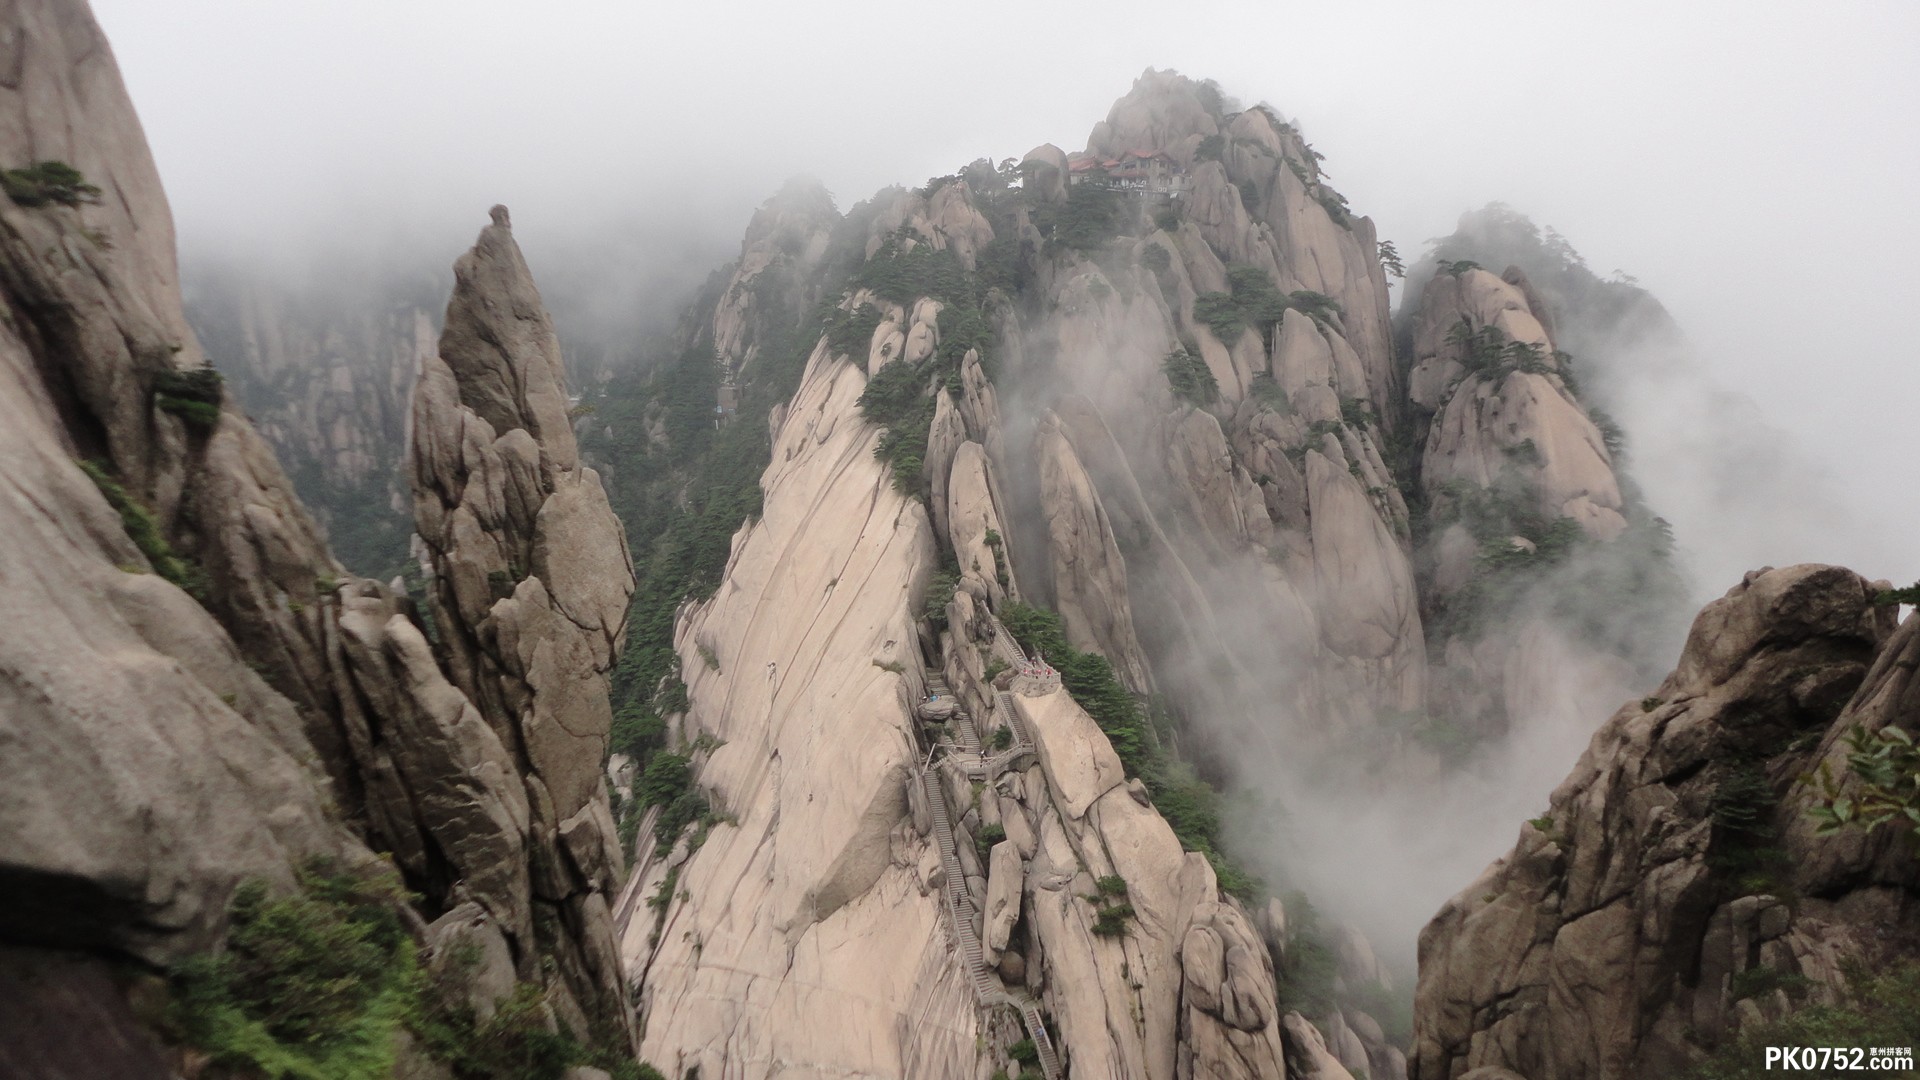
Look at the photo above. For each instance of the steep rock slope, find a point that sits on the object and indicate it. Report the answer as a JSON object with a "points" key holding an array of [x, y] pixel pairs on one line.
{"points": [[187, 658], [128, 689], [802, 932], [1150, 387], [777, 937], [754, 915], [1675, 890], [530, 590], [1542, 577]]}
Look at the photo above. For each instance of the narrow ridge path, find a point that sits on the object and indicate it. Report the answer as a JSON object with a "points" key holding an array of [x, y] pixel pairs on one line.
{"points": [[968, 757]]}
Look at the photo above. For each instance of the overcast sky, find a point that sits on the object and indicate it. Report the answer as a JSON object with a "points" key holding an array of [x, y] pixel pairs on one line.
{"points": [[1753, 164]]}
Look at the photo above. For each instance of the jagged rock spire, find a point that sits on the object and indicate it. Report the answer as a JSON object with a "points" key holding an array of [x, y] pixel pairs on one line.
{"points": [[531, 581]]}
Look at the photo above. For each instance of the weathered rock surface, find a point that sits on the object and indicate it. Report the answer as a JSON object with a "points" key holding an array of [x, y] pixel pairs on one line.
{"points": [[783, 245], [805, 931], [531, 580], [282, 710], [1089, 575], [1607, 942], [1369, 611], [975, 532], [1523, 420], [120, 689]]}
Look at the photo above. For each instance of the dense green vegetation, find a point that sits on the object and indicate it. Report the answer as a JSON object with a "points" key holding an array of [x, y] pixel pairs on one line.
{"points": [[46, 182], [1189, 378], [1252, 300], [988, 836], [1490, 354], [1882, 1010], [1267, 391], [1890, 597], [899, 396], [1093, 215], [1110, 920], [667, 782], [1745, 848], [313, 984], [316, 984], [1305, 973], [1885, 788], [193, 396], [1605, 591], [897, 399]]}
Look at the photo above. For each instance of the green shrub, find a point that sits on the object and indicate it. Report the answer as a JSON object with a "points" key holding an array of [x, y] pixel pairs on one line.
{"points": [[1390, 259], [1267, 391], [892, 392], [904, 275], [1885, 766], [895, 399], [1112, 921], [1249, 195], [1092, 216], [963, 326], [851, 332], [1315, 305], [193, 396], [1111, 885], [1024, 1052], [515, 1040], [1220, 314], [1002, 737], [198, 414], [312, 985], [1883, 1010], [145, 532], [940, 590], [202, 384], [1335, 204], [1190, 379], [1890, 597], [1760, 981], [988, 836], [1745, 849], [46, 182], [1254, 293], [1305, 973], [667, 782], [1252, 300]]}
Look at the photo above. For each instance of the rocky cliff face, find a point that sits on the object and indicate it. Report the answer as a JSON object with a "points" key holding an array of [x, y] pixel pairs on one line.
{"points": [[324, 368], [1676, 892], [224, 699], [1020, 360], [804, 926], [991, 531], [531, 581]]}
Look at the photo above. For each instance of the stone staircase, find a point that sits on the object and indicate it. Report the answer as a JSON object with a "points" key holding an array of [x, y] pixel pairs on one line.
{"points": [[987, 988], [966, 754]]}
